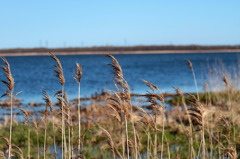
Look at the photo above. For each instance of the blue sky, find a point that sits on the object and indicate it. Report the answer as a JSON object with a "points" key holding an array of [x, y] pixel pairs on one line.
{"points": [[74, 23]]}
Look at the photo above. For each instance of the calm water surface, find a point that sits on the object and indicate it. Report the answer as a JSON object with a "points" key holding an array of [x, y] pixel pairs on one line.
{"points": [[165, 70]]}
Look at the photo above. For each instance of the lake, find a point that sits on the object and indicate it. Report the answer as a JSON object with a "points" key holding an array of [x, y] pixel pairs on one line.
{"points": [[164, 70]]}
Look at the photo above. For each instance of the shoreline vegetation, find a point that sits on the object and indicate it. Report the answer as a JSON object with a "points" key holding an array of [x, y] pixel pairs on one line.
{"points": [[152, 49], [200, 125]]}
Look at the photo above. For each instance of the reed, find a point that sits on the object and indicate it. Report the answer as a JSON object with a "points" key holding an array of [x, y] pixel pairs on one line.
{"points": [[35, 125], [59, 74], [78, 77], [28, 125], [131, 131], [158, 109], [125, 98], [179, 92], [197, 112], [191, 68], [10, 86]]}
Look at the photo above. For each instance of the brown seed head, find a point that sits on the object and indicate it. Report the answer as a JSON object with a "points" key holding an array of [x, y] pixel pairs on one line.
{"points": [[34, 122], [7, 72], [26, 115], [78, 73], [48, 102], [58, 69], [179, 92], [225, 80], [190, 64]]}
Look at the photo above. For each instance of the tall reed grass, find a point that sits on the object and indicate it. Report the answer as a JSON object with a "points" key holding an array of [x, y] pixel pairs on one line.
{"points": [[205, 127]]}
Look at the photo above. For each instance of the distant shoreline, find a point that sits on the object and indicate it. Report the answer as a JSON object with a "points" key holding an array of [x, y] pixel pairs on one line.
{"points": [[119, 52], [163, 49]]}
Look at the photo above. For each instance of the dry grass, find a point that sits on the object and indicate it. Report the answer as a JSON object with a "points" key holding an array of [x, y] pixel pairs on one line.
{"points": [[209, 131]]}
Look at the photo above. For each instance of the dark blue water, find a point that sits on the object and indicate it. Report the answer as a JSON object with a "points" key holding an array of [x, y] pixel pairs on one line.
{"points": [[165, 70]]}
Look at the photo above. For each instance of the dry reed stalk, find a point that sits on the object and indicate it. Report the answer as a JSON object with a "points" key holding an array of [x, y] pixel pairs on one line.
{"points": [[78, 77], [10, 86], [48, 103], [69, 119], [27, 122], [197, 112], [229, 100], [34, 122], [209, 105], [191, 68], [126, 100], [59, 74], [51, 109], [147, 121], [158, 108], [118, 113], [110, 142], [179, 92]]}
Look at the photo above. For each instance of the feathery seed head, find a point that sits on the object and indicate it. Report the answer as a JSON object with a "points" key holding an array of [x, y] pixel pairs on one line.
{"points": [[26, 115], [190, 64], [58, 69], [7, 72], [225, 80], [78, 73]]}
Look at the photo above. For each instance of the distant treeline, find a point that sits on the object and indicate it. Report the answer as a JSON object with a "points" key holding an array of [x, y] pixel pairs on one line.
{"points": [[123, 48]]}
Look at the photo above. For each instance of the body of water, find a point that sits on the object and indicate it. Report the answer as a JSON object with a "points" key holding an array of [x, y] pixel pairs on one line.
{"points": [[164, 70]]}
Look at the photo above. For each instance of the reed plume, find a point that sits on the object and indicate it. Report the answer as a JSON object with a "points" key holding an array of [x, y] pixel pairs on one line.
{"points": [[119, 112], [27, 121], [110, 142], [197, 113], [179, 92], [191, 68], [147, 121], [78, 77], [10, 86], [59, 74], [158, 108], [126, 99], [48, 103]]}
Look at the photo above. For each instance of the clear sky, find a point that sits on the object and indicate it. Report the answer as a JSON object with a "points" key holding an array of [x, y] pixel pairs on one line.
{"points": [[73, 23]]}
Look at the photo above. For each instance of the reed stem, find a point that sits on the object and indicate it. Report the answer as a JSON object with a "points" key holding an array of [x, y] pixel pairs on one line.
{"points": [[126, 131], [163, 118], [10, 134], [155, 140], [54, 142], [37, 143], [29, 141], [79, 121], [45, 136]]}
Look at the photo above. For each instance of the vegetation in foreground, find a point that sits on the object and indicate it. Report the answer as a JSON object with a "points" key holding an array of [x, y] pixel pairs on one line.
{"points": [[206, 126]]}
